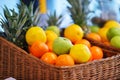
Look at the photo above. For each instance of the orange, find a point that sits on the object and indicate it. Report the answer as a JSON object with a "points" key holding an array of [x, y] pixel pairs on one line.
{"points": [[94, 36], [64, 60], [50, 44], [73, 32], [83, 41], [106, 43], [96, 52], [38, 48], [49, 57]]}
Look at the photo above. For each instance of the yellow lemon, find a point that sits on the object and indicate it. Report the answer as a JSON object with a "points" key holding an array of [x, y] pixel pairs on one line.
{"points": [[80, 53], [51, 36], [74, 32], [111, 23], [103, 33], [35, 33]]}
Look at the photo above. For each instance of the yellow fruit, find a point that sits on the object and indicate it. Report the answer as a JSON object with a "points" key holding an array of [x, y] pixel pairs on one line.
{"points": [[74, 33], [80, 53], [35, 33], [103, 33], [51, 36], [54, 29], [111, 23]]}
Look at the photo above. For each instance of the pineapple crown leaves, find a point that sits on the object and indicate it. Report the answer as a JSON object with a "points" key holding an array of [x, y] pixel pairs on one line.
{"points": [[78, 11], [53, 19], [11, 23], [15, 24], [32, 15]]}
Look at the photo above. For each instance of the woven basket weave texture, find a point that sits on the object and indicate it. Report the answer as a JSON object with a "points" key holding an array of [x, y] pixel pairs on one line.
{"points": [[16, 63]]}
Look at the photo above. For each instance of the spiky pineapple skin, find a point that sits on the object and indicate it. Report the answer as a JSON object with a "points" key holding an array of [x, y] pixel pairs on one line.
{"points": [[15, 24]]}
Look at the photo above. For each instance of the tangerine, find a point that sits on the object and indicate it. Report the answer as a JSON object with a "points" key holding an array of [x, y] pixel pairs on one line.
{"points": [[107, 43], [50, 44], [64, 60], [83, 41], [97, 52], [49, 57], [38, 48], [94, 36]]}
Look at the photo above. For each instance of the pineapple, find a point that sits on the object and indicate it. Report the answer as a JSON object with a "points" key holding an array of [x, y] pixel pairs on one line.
{"points": [[15, 24], [53, 19], [54, 23], [78, 12]]}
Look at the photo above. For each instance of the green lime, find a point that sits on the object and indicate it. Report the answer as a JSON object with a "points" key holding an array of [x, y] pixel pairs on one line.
{"points": [[54, 29], [94, 28], [114, 31], [115, 41], [61, 45]]}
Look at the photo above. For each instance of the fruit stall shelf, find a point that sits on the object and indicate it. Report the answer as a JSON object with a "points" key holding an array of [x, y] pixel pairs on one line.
{"points": [[17, 63]]}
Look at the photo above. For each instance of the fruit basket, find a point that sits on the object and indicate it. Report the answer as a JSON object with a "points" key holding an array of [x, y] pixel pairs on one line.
{"points": [[108, 50], [17, 63]]}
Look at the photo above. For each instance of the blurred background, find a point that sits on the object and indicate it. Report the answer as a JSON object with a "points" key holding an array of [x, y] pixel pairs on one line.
{"points": [[97, 7], [52, 5]]}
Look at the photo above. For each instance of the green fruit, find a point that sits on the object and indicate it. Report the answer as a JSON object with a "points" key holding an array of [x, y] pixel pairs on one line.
{"points": [[114, 31], [80, 53], [94, 28], [54, 29], [62, 45], [115, 41]]}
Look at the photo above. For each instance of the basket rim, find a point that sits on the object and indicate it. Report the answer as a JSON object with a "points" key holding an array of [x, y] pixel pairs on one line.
{"points": [[57, 67], [100, 43]]}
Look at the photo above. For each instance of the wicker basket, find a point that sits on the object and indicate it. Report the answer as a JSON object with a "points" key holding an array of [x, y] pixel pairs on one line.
{"points": [[16, 63], [108, 50]]}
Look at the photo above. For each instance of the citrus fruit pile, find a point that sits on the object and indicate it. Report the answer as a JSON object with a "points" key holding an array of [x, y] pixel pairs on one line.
{"points": [[67, 50], [109, 33]]}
